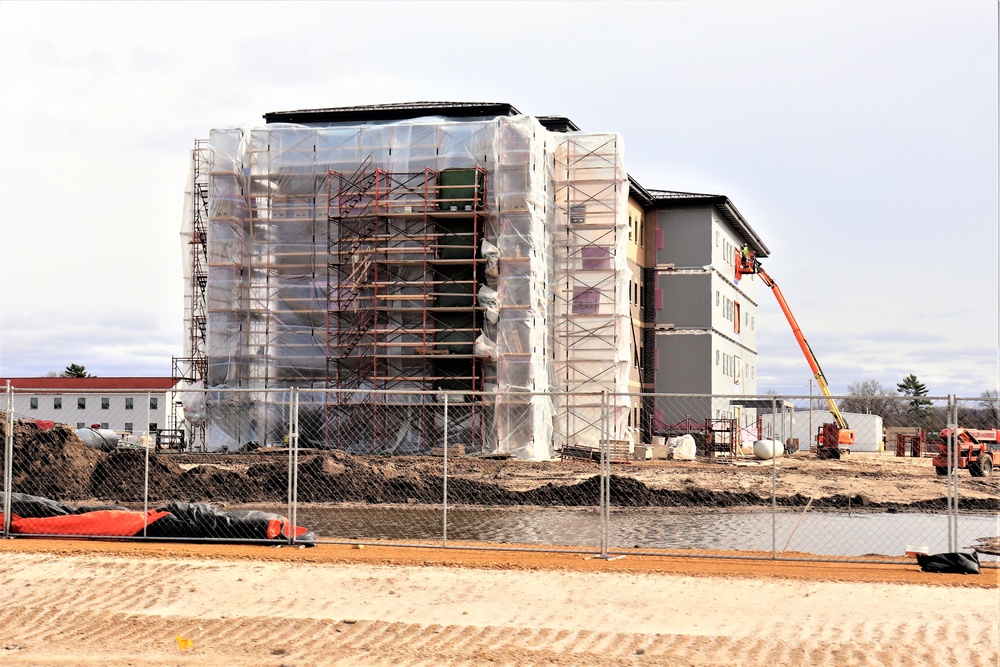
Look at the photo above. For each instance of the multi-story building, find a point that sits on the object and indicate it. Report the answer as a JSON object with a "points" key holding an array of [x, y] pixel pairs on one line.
{"points": [[705, 319], [458, 247], [125, 404]]}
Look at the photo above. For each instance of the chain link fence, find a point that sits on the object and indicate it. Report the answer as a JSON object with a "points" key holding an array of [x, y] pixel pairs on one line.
{"points": [[770, 477]]}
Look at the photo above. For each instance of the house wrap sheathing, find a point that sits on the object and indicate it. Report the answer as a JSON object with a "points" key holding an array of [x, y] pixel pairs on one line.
{"points": [[482, 257]]}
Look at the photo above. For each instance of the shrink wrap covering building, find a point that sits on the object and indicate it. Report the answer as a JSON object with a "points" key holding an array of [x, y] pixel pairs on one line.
{"points": [[484, 257]]}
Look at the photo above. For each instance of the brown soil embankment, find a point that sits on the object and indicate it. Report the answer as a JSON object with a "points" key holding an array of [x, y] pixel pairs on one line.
{"points": [[56, 464]]}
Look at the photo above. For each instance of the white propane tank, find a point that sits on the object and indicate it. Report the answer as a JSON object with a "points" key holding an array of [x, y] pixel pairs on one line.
{"points": [[100, 438], [768, 449]]}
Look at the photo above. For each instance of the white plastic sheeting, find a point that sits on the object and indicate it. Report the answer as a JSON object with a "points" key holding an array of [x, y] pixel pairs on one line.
{"points": [[554, 299]]}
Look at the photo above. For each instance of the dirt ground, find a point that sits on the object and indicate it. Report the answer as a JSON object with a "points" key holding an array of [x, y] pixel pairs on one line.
{"points": [[56, 464], [125, 603]]}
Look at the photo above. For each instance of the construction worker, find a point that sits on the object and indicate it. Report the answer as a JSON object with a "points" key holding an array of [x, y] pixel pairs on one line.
{"points": [[745, 251]]}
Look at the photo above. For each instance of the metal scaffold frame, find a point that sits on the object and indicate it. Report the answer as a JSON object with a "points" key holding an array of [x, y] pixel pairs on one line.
{"points": [[403, 276], [193, 366], [590, 300]]}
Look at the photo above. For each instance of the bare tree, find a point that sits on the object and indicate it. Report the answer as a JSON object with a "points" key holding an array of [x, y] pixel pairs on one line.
{"points": [[870, 397], [989, 408]]}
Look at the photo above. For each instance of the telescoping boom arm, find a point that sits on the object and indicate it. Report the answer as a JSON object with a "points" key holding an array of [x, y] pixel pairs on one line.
{"points": [[750, 265], [804, 344]]}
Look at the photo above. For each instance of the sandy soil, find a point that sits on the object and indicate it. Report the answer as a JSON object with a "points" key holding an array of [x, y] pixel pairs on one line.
{"points": [[117, 604]]}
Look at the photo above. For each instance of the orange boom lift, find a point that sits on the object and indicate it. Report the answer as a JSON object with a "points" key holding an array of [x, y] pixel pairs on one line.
{"points": [[832, 440]]}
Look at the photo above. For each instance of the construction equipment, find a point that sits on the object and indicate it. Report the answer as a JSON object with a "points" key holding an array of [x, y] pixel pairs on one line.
{"points": [[832, 440], [978, 450]]}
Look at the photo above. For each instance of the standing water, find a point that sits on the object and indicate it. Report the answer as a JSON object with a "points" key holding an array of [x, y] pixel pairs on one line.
{"points": [[817, 533]]}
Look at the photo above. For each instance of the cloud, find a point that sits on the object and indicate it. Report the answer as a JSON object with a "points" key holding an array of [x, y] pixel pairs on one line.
{"points": [[859, 140], [103, 341]]}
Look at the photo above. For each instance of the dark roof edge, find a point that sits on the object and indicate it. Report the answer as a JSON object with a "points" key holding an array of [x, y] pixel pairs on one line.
{"points": [[639, 192], [672, 199], [557, 124], [403, 111]]}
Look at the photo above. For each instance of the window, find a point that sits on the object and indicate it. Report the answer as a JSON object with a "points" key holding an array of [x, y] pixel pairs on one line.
{"points": [[128, 403], [642, 297], [718, 354], [586, 301], [57, 403], [717, 297], [736, 316], [736, 370], [105, 403], [104, 424], [595, 257], [752, 322], [641, 240], [128, 427], [630, 228], [152, 427], [153, 402], [81, 403], [33, 403], [718, 242], [79, 425], [642, 355]]}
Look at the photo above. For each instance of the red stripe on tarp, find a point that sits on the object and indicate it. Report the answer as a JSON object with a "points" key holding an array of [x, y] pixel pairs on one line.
{"points": [[102, 523]]}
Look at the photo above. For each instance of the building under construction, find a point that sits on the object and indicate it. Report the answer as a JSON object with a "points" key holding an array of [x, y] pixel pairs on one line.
{"points": [[379, 252]]}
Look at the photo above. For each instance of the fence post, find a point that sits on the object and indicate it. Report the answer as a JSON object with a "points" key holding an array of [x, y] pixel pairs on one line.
{"points": [[952, 473], [145, 471], [293, 464], [774, 478], [605, 472], [8, 467], [444, 517]]}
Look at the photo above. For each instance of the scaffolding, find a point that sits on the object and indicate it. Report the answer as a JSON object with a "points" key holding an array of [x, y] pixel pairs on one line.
{"points": [[191, 368], [593, 304], [403, 280], [484, 258]]}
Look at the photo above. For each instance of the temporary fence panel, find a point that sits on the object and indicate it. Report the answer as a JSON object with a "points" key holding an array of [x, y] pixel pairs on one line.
{"points": [[797, 504], [704, 485]]}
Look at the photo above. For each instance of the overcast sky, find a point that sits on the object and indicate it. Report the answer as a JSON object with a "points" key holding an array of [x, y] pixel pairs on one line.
{"points": [[859, 139]]}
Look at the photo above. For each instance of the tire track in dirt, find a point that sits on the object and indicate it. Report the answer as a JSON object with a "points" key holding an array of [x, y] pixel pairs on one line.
{"points": [[375, 642], [118, 611]]}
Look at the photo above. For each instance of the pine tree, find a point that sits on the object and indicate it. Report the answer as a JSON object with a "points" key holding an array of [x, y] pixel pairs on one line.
{"points": [[911, 386], [76, 371]]}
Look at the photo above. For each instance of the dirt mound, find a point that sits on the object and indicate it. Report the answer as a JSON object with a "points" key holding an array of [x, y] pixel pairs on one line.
{"points": [[52, 463], [215, 483], [56, 464], [121, 476]]}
